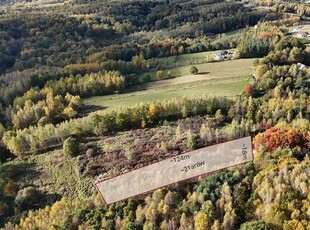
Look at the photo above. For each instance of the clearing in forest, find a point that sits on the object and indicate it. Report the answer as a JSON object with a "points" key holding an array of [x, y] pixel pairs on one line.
{"points": [[226, 78]]}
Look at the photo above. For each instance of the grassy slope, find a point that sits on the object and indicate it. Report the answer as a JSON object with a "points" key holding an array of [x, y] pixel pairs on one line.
{"points": [[56, 173], [219, 69], [226, 87], [178, 65], [185, 59], [223, 78]]}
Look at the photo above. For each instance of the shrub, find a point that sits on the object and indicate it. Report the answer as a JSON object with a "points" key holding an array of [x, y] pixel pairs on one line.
{"points": [[147, 78], [193, 70], [160, 75], [71, 147], [248, 89], [90, 152], [10, 189], [169, 74], [219, 116], [178, 132], [191, 140], [28, 198], [130, 153], [255, 225], [4, 209]]}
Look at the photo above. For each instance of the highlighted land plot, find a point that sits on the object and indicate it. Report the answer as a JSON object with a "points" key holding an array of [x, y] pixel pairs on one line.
{"points": [[175, 169]]}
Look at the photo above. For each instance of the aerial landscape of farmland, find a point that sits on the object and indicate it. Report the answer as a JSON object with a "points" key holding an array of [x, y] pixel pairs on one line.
{"points": [[155, 114]]}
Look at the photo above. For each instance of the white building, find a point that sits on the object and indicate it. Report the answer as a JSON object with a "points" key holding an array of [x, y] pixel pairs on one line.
{"points": [[219, 55]]}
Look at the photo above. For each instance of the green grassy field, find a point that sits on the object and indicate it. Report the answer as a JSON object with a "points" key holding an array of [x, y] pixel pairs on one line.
{"points": [[237, 67], [229, 86], [218, 78], [183, 60]]}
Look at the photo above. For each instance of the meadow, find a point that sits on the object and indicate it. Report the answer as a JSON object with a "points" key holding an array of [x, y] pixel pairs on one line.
{"points": [[178, 65], [229, 86], [226, 78], [184, 59]]}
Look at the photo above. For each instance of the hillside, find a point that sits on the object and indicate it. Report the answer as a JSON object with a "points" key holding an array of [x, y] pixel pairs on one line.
{"points": [[89, 92]]}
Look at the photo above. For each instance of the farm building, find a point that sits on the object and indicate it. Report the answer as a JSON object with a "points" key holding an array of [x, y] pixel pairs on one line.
{"points": [[223, 55], [301, 34], [301, 66], [219, 55]]}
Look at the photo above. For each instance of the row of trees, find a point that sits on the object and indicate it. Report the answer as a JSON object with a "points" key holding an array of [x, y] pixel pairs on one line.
{"points": [[34, 139], [290, 8], [88, 85]]}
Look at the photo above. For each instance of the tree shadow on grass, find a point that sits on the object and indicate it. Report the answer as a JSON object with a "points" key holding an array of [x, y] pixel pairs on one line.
{"points": [[91, 108], [5, 154], [50, 198], [18, 171], [203, 73]]}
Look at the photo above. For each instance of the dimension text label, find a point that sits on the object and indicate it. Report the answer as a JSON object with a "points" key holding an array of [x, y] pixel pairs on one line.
{"points": [[177, 168]]}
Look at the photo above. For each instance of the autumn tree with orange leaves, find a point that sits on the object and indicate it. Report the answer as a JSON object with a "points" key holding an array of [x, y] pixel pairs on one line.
{"points": [[274, 137], [248, 89]]}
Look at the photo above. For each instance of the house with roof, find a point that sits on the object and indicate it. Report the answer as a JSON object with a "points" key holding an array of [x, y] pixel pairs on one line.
{"points": [[301, 66], [223, 55], [301, 34], [219, 56]]}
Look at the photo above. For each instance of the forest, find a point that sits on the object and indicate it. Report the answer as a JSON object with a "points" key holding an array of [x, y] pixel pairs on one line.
{"points": [[56, 54]]}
